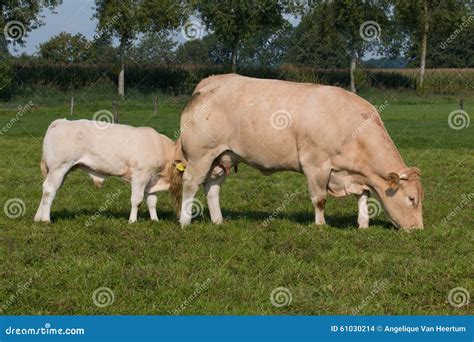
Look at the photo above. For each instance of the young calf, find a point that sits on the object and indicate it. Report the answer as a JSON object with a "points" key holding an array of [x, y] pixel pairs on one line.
{"points": [[138, 155]]}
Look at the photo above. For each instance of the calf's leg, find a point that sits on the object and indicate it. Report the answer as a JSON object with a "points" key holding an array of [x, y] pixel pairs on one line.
{"points": [[139, 182]]}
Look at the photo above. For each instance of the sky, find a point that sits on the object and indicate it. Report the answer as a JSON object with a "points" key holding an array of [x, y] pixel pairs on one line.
{"points": [[73, 16]]}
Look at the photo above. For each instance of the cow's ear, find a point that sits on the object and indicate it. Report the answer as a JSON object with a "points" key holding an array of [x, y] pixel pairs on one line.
{"points": [[393, 180]]}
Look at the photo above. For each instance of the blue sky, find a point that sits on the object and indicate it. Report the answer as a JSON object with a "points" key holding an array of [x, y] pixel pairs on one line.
{"points": [[73, 16]]}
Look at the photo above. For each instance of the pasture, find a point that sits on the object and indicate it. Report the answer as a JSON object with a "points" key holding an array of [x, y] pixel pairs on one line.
{"points": [[204, 269]]}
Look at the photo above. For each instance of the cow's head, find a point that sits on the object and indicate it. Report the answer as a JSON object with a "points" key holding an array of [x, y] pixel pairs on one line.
{"points": [[403, 198]]}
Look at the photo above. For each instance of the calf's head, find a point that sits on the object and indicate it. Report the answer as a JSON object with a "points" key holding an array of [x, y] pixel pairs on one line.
{"points": [[403, 197]]}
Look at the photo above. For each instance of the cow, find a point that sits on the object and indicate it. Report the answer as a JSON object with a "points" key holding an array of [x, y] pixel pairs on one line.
{"points": [[139, 155], [332, 136]]}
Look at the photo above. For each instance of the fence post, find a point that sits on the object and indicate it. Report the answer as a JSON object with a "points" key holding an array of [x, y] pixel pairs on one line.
{"points": [[461, 104], [72, 106], [155, 105], [115, 111]]}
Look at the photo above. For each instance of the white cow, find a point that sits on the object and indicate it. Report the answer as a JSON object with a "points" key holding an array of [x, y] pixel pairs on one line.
{"points": [[138, 155]]}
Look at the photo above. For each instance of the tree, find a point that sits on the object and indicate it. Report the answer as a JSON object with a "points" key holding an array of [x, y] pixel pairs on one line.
{"points": [[194, 52], [20, 17], [338, 34], [154, 47], [65, 48], [422, 23], [235, 22], [124, 19]]}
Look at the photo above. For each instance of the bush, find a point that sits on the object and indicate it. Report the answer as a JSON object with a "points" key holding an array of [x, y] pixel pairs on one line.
{"points": [[6, 75]]}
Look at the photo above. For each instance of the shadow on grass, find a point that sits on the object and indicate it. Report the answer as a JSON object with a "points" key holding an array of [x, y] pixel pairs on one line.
{"points": [[87, 214], [301, 217]]}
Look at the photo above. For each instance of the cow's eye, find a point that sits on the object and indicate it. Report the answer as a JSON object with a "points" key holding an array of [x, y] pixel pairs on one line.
{"points": [[412, 199]]}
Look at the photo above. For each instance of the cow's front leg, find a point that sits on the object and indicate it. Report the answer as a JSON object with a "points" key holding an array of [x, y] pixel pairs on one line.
{"points": [[211, 188], [139, 183], [363, 216], [317, 184], [194, 176], [151, 200]]}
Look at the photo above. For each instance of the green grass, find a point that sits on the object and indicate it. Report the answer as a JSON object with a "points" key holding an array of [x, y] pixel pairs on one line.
{"points": [[154, 268]]}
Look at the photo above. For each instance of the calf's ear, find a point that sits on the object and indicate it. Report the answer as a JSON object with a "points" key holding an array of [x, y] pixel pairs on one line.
{"points": [[393, 180]]}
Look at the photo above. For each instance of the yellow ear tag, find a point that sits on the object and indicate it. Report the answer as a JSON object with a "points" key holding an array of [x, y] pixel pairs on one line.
{"points": [[180, 167]]}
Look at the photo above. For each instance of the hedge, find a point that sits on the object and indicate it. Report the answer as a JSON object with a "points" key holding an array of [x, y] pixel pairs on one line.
{"points": [[179, 79]]}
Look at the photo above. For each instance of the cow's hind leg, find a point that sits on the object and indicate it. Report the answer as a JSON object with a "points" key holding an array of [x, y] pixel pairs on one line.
{"points": [[139, 183], [363, 216], [211, 188], [51, 184], [318, 179], [194, 176]]}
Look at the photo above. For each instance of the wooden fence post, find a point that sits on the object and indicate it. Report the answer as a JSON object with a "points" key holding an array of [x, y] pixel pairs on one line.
{"points": [[461, 104], [155, 105]]}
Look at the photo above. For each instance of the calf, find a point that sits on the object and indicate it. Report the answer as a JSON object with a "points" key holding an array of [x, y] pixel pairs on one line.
{"points": [[139, 155]]}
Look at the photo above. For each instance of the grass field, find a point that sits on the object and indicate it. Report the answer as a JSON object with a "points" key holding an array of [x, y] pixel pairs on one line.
{"points": [[159, 268]]}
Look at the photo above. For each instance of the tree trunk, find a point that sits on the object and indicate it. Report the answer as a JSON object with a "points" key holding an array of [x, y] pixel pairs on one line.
{"points": [[235, 51], [121, 81], [353, 67], [424, 42], [4, 53]]}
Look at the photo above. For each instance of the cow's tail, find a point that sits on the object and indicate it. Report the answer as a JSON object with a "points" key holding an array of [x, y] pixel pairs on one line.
{"points": [[176, 178], [44, 168]]}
